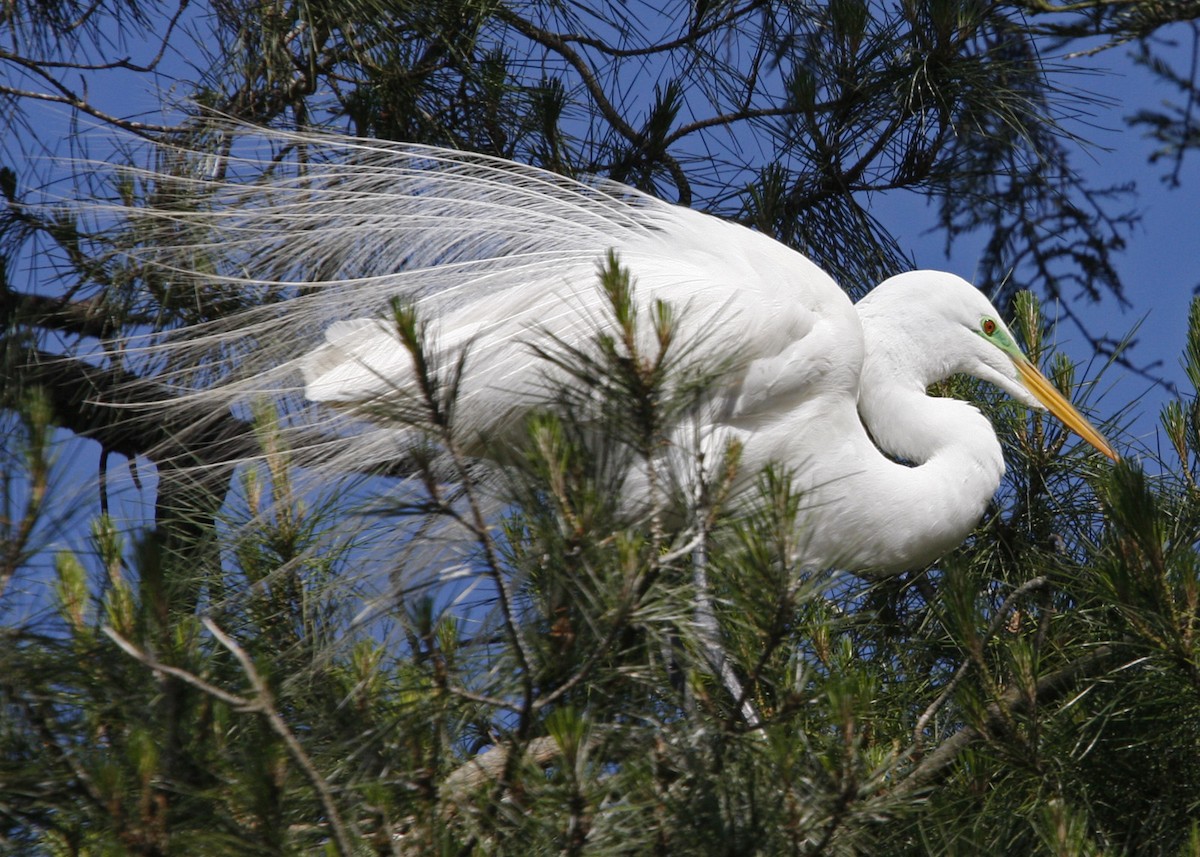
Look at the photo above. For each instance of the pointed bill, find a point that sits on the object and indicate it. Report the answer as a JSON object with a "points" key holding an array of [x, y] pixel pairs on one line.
{"points": [[1048, 395]]}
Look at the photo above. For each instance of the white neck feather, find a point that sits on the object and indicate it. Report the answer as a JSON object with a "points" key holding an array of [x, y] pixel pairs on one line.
{"points": [[871, 513]]}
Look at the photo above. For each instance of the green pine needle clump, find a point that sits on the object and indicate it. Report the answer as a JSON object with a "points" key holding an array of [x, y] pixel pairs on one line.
{"points": [[552, 688]]}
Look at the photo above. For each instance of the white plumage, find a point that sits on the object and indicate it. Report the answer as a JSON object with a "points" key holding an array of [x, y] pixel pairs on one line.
{"points": [[495, 255]]}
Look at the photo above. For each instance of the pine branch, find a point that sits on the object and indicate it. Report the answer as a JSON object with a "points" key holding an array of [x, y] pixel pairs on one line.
{"points": [[1048, 690], [86, 318], [998, 620], [126, 414], [262, 703]]}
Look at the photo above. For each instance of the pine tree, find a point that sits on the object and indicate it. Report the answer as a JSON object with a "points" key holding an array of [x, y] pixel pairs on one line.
{"points": [[272, 666]]}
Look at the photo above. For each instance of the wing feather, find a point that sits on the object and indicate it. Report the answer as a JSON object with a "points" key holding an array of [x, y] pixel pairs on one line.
{"points": [[493, 254]]}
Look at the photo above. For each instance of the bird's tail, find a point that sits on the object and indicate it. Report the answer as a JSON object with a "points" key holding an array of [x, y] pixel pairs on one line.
{"points": [[277, 257]]}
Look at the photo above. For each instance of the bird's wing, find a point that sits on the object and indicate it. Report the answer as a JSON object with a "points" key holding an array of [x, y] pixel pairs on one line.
{"points": [[493, 254], [779, 322]]}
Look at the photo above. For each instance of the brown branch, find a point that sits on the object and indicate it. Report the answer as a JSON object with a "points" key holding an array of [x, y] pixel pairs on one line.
{"points": [[1047, 8], [1049, 689], [263, 703], [40, 63], [483, 699], [133, 416], [489, 766], [127, 414], [239, 703], [87, 317], [70, 99], [960, 674], [688, 40], [587, 74]]}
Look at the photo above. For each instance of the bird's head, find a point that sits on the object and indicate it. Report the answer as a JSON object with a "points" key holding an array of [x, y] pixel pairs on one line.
{"points": [[960, 331]]}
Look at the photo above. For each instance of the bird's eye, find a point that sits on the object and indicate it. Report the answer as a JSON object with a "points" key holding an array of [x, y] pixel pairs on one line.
{"points": [[989, 326]]}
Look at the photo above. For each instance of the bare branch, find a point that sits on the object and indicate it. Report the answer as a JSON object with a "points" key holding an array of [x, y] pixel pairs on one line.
{"points": [[489, 766], [265, 704], [997, 621], [238, 702], [1048, 690]]}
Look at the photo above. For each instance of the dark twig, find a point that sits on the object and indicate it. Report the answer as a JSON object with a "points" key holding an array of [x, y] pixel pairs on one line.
{"points": [[997, 621], [1016, 700], [262, 703]]}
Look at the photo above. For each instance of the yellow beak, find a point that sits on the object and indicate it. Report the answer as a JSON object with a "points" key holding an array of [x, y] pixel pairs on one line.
{"points": [[1048, 395]]}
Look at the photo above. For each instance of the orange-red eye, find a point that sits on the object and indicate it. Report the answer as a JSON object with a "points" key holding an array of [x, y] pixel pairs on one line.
{"points": [[989, 326]]}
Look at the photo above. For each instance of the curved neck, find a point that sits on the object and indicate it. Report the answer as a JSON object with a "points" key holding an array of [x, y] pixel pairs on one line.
{"points": [[924, 510], [865, 512]]}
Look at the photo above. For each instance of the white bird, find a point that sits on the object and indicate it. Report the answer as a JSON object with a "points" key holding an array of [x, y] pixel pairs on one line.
{"points": [[495, 255]]}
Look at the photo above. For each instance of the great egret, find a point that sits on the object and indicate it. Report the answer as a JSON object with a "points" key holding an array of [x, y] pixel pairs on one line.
{"points": [[495, 254]]}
